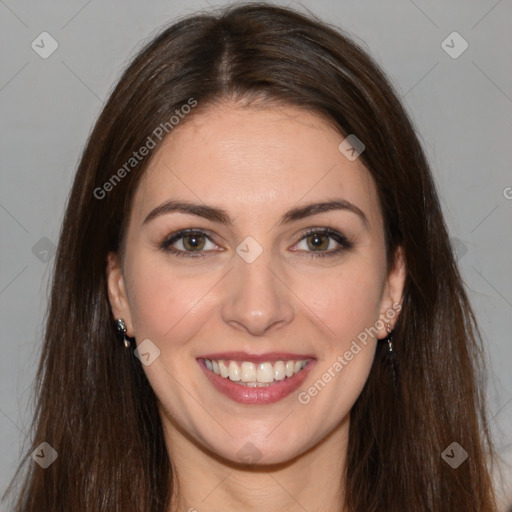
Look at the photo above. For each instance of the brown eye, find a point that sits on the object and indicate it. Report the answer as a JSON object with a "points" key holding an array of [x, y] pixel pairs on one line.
{"points": [[194, 242], [188, 243], [317, 241]]}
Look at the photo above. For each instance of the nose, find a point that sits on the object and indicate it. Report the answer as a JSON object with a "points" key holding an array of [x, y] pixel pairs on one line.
{"points": [[257, 299]]}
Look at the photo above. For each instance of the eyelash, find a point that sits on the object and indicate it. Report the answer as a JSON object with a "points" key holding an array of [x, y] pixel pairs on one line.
{"points": [[345, 243]]}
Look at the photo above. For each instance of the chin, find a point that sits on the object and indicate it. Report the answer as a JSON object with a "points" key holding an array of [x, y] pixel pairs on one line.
{"points": [[259, 453]]}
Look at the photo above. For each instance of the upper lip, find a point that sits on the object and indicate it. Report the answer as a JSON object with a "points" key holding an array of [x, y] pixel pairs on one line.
{"points": [[257, 358]]}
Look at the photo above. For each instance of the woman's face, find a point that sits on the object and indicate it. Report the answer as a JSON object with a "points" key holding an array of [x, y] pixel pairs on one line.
{"points": [[258, 292]]}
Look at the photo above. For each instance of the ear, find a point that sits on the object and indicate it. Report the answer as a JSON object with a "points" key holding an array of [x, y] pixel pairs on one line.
{"points": [[117, 292], [391, 302]]}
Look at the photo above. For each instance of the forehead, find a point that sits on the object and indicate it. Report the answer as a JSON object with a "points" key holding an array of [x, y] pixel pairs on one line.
{"points": [[253, 160]]}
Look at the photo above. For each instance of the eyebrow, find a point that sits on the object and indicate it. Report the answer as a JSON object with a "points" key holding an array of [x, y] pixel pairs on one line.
{"points": [[219, 215]]}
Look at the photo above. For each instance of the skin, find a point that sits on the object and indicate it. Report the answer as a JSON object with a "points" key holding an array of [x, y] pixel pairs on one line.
{"points": [[256, 163]]}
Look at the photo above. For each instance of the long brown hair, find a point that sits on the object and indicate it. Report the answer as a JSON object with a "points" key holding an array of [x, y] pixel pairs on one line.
{"points": [[94, 403]]}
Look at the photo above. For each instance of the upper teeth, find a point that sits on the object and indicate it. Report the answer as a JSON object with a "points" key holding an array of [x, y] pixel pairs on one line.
{"points": [[254, 373]]}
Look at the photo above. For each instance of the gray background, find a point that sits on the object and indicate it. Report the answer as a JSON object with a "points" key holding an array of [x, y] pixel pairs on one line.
{"points": [[461, 107]]}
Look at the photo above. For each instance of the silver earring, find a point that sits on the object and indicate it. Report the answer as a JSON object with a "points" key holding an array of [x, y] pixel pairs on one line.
{"points": [[390, 343], [121, 327]]}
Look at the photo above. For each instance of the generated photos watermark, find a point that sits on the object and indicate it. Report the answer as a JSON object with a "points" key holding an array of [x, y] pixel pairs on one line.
{"points": [[137, 156], [304, 397]]}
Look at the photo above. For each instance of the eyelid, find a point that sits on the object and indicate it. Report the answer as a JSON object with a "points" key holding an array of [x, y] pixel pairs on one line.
{"points": [[168, 241], [344, 242], [190, 231]]}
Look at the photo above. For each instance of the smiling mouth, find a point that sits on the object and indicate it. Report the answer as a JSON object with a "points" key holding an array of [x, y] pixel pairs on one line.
{"points": [[255, 375]]}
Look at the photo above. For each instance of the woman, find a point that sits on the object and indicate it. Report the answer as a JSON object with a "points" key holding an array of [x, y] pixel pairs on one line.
{"points": [[254, 215]]}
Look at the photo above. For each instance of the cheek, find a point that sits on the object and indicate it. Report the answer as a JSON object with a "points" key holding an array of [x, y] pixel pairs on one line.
{"points": [[162, 301], [346, 299], [169, 307], [348, 304]]}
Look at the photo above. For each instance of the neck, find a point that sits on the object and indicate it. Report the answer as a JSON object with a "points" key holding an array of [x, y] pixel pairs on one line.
{"points": [[311, 481]]}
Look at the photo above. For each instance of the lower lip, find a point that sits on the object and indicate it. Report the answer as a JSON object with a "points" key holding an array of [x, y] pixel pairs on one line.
{"points": [[257, 396]]}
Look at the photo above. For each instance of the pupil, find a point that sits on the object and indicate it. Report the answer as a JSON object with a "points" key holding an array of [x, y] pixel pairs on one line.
{"points": [[193, 241], [317, 240]]}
